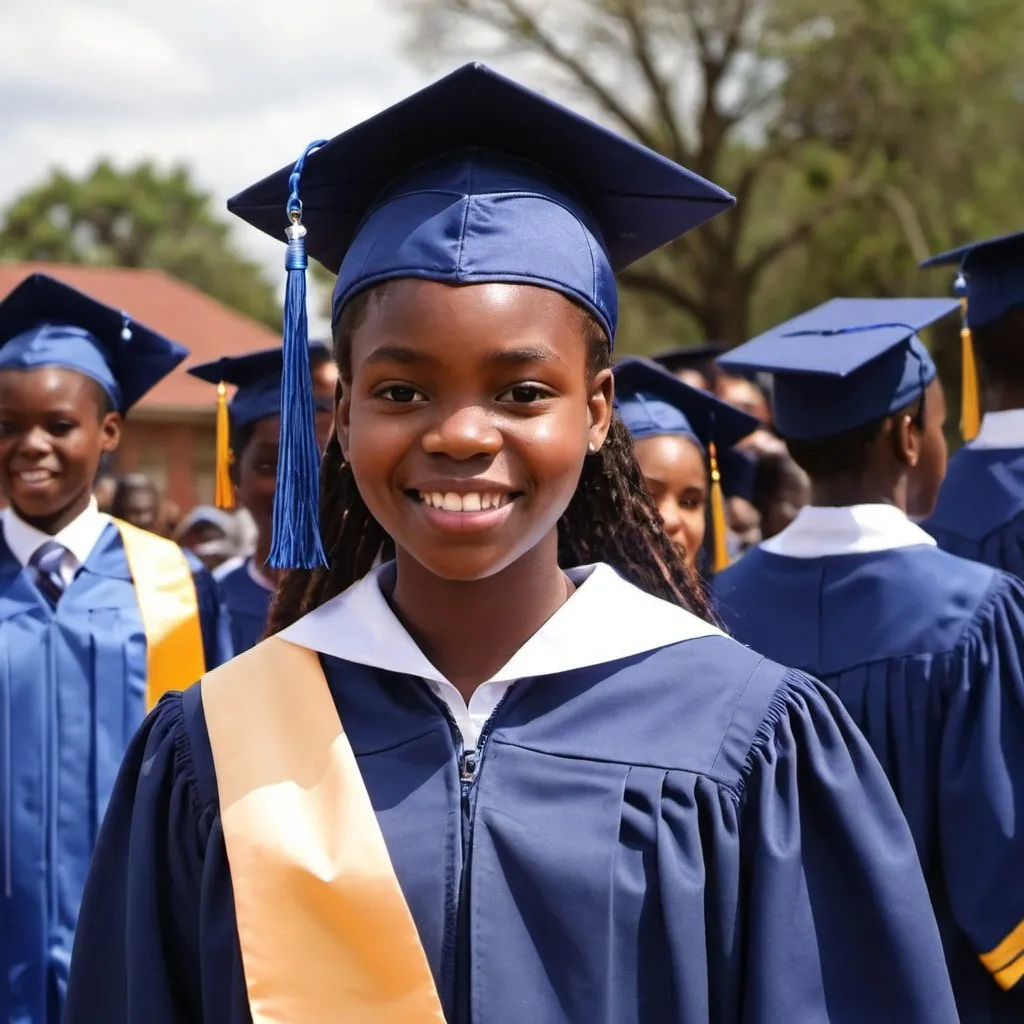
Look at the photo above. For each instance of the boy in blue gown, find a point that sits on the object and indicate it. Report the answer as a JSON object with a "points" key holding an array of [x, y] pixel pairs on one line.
{"points": [[73, 649], [926, 650], [254, 415], [979, 513], [598, 808]]}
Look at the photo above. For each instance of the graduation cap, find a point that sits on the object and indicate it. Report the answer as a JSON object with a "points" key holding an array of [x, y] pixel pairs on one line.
{"points": [[257, 379], [845, 363], [990, 283], [653, 403], [45, 322], [691, 357], [473, 179]]}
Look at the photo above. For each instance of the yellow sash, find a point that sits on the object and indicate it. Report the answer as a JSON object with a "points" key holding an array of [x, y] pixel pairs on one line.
{"points": [[325, 932], [169, 608]]}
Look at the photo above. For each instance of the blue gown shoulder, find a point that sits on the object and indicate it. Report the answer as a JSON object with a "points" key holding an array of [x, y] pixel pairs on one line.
{"points": [[979, 513]]}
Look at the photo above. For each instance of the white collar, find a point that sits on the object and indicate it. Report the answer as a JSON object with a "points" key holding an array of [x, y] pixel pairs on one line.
{"points": [[257, 577], [853, 530], [604, 620], [80, 536], [1001, 430]]}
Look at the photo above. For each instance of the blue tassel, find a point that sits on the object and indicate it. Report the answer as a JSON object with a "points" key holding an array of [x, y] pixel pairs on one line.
{"points": [[296, 542]]}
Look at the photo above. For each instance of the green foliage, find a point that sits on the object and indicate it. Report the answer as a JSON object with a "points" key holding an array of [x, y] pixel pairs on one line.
{"points": [[858, 135], [140, 217]]}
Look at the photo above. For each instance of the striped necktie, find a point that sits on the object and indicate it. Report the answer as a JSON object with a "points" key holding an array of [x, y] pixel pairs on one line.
{"points": [[47, 562]]}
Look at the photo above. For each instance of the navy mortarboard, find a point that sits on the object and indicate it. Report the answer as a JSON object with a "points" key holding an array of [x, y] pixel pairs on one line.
{"points": [[45, 322], [473, 179], [653, 403], [845, 363], [257, 378], [989, 284]]}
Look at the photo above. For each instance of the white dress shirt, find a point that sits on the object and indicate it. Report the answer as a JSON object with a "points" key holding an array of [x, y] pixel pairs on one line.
{"points": [[79, 537], [604, 620], [819, 531]]}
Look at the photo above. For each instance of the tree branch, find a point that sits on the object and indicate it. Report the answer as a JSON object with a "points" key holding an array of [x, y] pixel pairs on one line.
{"points": [[662, 98], [654, 283], [522, 25], [801, 230]]}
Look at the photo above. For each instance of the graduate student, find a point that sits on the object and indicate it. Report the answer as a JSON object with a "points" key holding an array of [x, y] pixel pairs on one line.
{"points": [[468, 785], [97, 618], [254, 418], [924, 649], [692, 364], [980, 510], [683, 439]]}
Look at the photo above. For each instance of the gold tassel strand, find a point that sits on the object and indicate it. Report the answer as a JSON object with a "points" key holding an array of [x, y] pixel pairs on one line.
{"points": [[224, 496], [970, 404], [719, 530]]}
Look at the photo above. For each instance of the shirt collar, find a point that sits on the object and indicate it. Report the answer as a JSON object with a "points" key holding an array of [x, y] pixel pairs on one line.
{"points": [[606, 619], [1001, 430], [80, 536], [853, 530]]}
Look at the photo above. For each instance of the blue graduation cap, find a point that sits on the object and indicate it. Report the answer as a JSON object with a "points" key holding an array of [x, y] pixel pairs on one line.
{"points": [[990, 283], [845, 363], [257, 379], [44, 322], [473, 179], [653, 403]]}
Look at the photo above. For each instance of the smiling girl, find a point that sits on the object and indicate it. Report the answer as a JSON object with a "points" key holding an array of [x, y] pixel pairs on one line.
{"points": [[467, 785]]}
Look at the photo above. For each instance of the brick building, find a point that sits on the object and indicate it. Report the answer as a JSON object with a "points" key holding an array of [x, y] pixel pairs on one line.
{"points": [[169, 435]]}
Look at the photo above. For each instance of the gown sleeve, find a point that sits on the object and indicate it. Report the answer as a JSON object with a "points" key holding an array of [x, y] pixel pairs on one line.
{"points": [[213, 615], [137, 947], [981, 799], [838, 921]]}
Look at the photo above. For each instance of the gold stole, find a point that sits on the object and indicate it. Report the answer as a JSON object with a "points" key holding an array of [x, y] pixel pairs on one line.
{"points": [[169, 608], [325, 932]]}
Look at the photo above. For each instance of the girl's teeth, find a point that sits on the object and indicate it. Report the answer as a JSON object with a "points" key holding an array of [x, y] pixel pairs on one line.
{"points": [[452, 502]]}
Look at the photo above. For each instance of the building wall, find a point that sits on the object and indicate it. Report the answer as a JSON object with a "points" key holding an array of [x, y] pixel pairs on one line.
{"points": [[177, 455]]}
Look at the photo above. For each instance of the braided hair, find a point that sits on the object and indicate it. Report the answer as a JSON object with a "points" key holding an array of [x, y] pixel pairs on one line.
{"points": [[611, 517]]}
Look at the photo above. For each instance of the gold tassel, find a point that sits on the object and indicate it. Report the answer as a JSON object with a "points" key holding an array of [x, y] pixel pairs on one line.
{"points": [[720, 550], [970, 405], [224, 489]]}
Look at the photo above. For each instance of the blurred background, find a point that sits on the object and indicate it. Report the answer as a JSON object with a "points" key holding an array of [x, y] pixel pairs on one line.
{"points": [[858, 136]]}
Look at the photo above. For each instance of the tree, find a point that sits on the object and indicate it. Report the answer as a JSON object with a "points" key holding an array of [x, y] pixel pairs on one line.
{"points": [[814, 116], [140, 217]]}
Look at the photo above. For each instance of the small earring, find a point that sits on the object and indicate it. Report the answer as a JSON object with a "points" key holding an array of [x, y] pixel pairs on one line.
{"points": [[592, 448]]}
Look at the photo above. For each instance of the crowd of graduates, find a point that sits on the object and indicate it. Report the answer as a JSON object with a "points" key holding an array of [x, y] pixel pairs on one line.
{"points": [[602, 688]]}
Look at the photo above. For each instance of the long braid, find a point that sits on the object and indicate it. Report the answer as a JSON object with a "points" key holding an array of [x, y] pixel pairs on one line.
{"points": [[611, 517]]}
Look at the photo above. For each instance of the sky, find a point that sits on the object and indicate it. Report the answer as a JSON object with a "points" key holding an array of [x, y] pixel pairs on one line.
{"points": [[233, 88]]}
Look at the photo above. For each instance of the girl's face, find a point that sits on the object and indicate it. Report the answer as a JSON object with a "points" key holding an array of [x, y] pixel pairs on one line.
{"points": [[676, 476], [468, 418], [53, 433]]}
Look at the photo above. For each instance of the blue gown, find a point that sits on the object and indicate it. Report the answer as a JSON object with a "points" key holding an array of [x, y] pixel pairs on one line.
{"points": [[980, 510], [690, 835], [72, 694], [925, 650], [248, 606]]}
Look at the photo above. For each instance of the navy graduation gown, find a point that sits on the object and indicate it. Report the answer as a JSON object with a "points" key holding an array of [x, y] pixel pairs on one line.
{"points": [[689, 835], [980, 510], [72, 694], [925, 650], [248, 606]]}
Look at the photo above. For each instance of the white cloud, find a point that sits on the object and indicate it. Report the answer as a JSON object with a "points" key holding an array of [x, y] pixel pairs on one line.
{"points": [[233, 88]]}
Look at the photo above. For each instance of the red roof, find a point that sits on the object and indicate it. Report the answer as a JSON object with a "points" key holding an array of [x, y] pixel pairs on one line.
{"points": [[182, 313]]}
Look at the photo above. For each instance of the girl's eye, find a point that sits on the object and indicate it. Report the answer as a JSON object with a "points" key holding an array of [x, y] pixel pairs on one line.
{"points": [[61, 428], [524, 394], [404, 393]]}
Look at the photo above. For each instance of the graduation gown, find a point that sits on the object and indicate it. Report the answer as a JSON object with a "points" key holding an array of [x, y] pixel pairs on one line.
{"points": [[925, 651], [979, 513], [72, 694], [248, 606], [656, 829]]}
